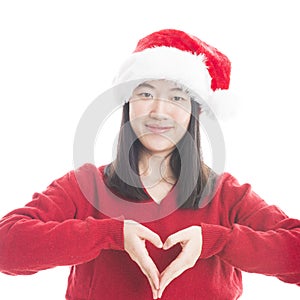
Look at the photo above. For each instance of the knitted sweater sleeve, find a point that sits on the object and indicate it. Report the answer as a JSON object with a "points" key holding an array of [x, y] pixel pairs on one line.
{"points": [[50, 230], [258, 238]]}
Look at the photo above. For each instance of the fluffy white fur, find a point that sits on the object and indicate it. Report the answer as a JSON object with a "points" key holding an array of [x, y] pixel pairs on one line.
{"points": [[167, 63], [179, 66]]}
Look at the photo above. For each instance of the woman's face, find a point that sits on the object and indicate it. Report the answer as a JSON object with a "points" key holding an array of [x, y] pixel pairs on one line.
{"points": [[159, 113]]}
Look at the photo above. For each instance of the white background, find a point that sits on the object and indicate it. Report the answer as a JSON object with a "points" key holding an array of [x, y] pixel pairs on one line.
{"points": [[56, 57]]}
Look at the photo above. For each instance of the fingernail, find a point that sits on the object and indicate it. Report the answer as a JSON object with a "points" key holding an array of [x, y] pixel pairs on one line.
{"points": [[155, 296], [165, 247]]}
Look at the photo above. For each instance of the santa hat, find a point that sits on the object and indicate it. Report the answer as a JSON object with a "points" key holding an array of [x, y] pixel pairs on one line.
{"points": [[175, 55]]}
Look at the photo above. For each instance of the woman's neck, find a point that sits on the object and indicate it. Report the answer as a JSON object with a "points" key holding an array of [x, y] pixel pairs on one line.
{"points": [[155, 168]]}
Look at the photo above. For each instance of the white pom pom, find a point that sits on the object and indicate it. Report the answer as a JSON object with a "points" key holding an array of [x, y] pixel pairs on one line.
{"points": [[222, 105]]}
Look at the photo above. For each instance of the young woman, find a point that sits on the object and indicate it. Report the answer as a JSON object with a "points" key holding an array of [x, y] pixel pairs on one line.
{"points": [[157, 222]]}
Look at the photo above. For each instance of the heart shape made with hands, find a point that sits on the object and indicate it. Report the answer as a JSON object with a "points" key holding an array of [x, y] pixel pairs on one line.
{"points": [[190, 240]]}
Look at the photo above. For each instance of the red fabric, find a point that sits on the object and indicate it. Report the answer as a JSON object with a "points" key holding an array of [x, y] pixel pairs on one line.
{"points": [[60, 227], [218, 64]]}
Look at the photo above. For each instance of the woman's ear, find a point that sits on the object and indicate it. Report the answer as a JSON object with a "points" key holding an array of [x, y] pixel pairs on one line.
{"points": [[199, 110]]}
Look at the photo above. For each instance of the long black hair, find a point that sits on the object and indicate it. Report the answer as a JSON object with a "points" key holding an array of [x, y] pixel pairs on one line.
{"points": [[186, 162]]}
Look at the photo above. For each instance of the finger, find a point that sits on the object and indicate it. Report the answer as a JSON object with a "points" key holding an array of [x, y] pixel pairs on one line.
{"points": [[175, 269], [175, 238], [149, 235], [155, 294], [150, 270]]}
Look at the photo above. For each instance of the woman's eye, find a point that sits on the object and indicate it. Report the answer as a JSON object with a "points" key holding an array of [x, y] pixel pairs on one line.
{"points": [[146, 95], [178, 98]]}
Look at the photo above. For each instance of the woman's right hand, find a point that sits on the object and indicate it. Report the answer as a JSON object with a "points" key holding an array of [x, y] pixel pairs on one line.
{"points": [[135, 236]]}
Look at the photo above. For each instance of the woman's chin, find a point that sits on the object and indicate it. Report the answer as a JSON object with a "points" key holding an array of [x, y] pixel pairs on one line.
{"points": [[158, 146]]}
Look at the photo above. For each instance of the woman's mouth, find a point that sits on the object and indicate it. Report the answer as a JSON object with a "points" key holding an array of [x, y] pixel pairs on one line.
{"points": [[158, 129]]}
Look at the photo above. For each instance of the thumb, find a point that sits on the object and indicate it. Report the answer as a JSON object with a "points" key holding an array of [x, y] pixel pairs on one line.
{"points": [[150, 236]]}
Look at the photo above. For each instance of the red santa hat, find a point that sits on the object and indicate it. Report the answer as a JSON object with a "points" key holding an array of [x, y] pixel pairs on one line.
{"points": [[175, 55]]}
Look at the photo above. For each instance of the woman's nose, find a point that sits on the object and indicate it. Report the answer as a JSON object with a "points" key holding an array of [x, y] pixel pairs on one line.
{"points": [[159, 108]]}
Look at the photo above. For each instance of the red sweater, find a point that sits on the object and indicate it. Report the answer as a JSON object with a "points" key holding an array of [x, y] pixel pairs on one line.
{"points": [[60, 227]]}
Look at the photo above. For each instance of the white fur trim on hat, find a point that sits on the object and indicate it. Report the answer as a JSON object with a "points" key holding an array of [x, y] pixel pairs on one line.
{"points": [[168, 63]]}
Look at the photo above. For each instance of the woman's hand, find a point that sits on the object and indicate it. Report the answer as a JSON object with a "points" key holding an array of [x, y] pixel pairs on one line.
{"points": [[190, 240], [135, 236]]}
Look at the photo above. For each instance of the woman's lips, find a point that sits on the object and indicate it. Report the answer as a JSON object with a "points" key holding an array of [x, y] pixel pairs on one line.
{"points": [[158, 128]]}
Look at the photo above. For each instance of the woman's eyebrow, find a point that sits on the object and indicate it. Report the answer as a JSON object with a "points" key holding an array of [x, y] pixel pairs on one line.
{"points": [[177, 89], [145, 84]]}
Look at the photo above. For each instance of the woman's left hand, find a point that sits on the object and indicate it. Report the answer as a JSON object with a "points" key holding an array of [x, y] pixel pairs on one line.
{"points": [[190, 240]]}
